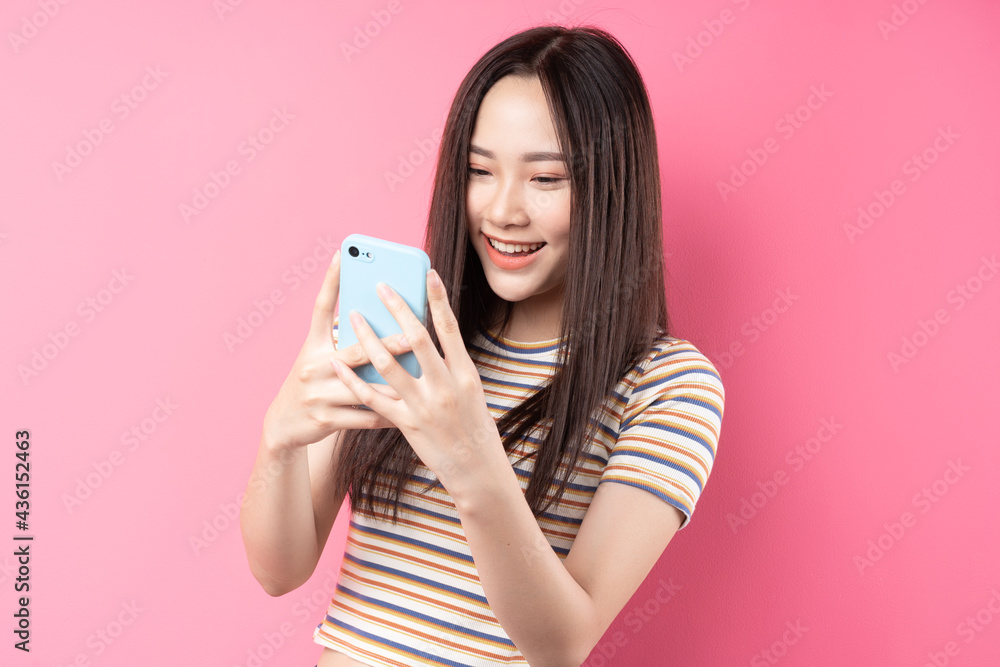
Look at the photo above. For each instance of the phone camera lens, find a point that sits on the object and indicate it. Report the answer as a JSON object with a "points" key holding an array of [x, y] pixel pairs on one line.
{"points": [[353, 251]]}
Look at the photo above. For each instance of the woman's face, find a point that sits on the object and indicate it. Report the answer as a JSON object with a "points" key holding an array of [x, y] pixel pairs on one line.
{"points": [[519, 194]]}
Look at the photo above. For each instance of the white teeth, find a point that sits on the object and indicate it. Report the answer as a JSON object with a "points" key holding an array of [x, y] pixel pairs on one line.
{"points": [[513, 247]]}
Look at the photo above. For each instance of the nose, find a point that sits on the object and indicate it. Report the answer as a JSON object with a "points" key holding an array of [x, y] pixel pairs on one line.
{"points": [[506, 206]]}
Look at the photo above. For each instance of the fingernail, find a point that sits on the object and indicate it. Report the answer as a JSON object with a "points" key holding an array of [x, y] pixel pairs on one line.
{"points": [[434, 278], [355, 318], [403, 342], [336, 256], [384, 290]]}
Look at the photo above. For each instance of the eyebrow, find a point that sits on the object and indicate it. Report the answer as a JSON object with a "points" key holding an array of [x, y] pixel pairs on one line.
{"points": [[537, 156]]}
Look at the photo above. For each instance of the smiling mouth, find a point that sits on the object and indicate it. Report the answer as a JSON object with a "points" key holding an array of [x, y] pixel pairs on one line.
{"points": [[515, 249]]}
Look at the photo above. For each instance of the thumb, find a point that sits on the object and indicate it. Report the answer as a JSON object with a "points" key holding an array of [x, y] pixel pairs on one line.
{"points": [[323, 316]]}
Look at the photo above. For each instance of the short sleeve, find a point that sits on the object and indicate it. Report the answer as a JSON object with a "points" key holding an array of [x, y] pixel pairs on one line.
{"points": [[670, 427]]}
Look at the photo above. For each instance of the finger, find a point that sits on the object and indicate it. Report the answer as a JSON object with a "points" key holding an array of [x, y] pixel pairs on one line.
{"points": [[355, 355], [338, 395], [385, 390], [365, 393], [445, 322], [321, 328], [431, 363], [353, 418], [380, 358]]}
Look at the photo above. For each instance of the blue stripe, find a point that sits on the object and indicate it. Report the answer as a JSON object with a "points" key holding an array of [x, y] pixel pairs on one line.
{"points": [[523, 474], [490, 379], [454, 627], [412, 577], [669, 428], [426, 512], [396, 645], [546, 366], [656, 459], [656, 492], [665, 399], [409, 540], [666, 378], [561, 518]]}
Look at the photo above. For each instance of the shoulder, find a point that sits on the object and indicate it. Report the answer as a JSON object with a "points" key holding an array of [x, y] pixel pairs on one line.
{"points": [[675, 393], [671, 420], [673, 366]]}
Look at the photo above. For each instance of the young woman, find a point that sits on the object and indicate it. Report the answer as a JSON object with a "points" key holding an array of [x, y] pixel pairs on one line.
{"points": [[547, 369]]}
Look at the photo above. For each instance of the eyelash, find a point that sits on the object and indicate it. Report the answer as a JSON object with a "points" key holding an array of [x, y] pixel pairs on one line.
{"points": [[545, 180]]}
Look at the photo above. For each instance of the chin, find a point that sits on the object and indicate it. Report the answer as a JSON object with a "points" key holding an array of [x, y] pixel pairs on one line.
{"points": [[508, 292]]}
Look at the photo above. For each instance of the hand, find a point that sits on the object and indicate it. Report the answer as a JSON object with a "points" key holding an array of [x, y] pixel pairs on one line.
{"points": [[313, 402], [443, 413]]}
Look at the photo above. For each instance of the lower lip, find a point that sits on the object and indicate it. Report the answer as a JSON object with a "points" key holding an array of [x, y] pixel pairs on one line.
{"points": [[509, 261]]}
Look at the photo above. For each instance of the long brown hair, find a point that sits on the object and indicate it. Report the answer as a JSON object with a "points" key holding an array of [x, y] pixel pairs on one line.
{"points": [[614, 300]]}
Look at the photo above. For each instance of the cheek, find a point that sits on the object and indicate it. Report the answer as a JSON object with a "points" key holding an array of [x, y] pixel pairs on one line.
{"points": [[476, 197], [559, 223]]}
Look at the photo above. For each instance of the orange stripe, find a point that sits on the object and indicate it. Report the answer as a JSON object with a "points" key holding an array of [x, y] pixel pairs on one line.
{"points": [[673, 358]]}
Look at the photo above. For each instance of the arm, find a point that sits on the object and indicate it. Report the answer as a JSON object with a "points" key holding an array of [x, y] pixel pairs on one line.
{"points": [[288, 512], [556, 611], [290, 502]]}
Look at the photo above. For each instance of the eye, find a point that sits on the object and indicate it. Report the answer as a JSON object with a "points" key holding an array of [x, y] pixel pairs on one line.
{"points": [[473, 171], [548, 180]]}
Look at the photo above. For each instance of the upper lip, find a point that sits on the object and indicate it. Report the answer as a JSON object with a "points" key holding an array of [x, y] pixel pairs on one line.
{"points": [[510, 242]]}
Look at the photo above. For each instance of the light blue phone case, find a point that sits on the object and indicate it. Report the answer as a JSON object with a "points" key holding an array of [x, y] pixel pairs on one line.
{"points": [[404, 269]]}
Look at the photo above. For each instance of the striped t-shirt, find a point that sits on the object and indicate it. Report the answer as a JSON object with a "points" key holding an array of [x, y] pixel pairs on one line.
{"points": [[409, 594]]}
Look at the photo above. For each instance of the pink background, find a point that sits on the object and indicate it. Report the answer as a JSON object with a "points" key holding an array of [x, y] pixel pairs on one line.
{"points": [[801, 312]]}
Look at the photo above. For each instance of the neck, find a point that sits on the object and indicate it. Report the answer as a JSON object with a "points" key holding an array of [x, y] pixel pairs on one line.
{"points": [[537, 318]]}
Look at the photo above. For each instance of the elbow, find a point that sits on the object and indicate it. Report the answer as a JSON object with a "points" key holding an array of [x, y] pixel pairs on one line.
{"points": [[574, 658], [573, 653], [274, 587], [567, 659], [580, 645], [277, 591]]}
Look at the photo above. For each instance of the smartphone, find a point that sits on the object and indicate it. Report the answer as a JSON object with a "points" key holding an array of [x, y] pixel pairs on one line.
{"points": [[366, 261]]}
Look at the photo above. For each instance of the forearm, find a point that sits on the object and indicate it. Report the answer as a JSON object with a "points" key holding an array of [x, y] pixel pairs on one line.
{"points": [[542, 608], [277, 519]]}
